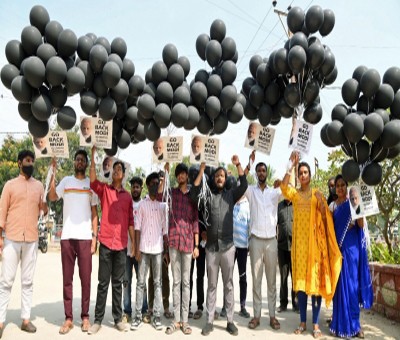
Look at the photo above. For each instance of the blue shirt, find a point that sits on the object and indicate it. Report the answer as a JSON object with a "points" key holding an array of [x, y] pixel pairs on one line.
{"points": [[241, 224]]}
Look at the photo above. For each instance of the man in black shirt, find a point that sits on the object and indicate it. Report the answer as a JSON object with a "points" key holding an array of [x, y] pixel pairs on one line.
{"points": [[220, 251]]}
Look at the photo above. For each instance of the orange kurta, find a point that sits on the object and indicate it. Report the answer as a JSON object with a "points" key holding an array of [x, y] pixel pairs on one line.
{"points": [[316, 258]]}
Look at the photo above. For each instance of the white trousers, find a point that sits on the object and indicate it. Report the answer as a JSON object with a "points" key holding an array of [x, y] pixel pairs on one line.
{"points": [[13, 254]]}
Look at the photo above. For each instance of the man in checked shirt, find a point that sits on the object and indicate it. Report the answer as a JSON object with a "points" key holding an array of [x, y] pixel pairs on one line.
{"points": [[183, 238]]}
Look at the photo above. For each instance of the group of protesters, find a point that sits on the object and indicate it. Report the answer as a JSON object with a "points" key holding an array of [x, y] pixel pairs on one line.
{"points": [[193, 225]]}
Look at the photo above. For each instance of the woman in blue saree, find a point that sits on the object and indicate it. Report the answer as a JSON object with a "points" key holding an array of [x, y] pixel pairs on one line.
{"points": [[354, 288]]}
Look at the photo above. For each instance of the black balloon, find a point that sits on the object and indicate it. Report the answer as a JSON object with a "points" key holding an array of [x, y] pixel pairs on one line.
{"points": [[218, 30], [128, 69], [350, 91], [39, 17], [358, 72], [394, 151], [334, 132], [265, 114], [213, 107], [176, 75], [118, 46], [179, 115], [213, 53], [311, 91], [297, 59], [263, 74], [361, 151], [313, 113], [228, 48], [285, 111], [220, 124], [373, 126], [185, 63], [331, 77], [292, 95], [250, 112], [131, 118], [58, 96], [52, 31], [353, 127], [75, 80], [247, 85], [123, 139], [194, 117], [272, 94], [103, 42], [378, 153], [98, 57], [15, 53], [314, 18], [45, 52], [66, 118], [99, 88], [339, 112], [350, 170], [372, 174], [111, 74], [228, 97], [214, 85], [235, 114], [67, 43], [84, 45], [204, 125], [256, 96], [136, 86], [8, 73], [392, 77], [295, 19], [365, 104], [25, 111], [181, 95], [107, 108], [120, 92], [199, 94], [170, 55], [201, 44], [391, 134], [328, 24], [329, 63], [228, 72], [315, 55], [384, 96], [254, 62], [370, 82], [31, 38], [281, 61], [395, 107], [38, 128], [298, 39], [41, 107], [113, 150], [21, 89]]}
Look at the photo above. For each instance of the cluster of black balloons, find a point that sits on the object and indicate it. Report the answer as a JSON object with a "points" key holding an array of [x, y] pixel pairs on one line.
{"points": [[287, 83], [213, 94], [50, 63], [166, 97], [363, 126]]}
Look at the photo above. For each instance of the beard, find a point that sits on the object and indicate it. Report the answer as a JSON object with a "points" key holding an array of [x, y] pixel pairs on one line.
{"points": [[262, 181], [80, 171]]}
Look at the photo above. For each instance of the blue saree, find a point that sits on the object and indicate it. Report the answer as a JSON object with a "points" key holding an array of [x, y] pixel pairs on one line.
{"points": [[354, 288]]}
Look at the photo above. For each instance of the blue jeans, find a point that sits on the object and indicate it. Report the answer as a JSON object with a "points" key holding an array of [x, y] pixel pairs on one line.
{"points": [[130, 264]]}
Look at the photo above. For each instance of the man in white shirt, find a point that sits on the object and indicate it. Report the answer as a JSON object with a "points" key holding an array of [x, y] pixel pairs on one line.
{"points": [[79, 235], [263, 244]]}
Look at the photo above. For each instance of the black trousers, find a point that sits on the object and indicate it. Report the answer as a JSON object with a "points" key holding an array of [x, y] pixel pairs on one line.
{"points": [[285, 267], [200, 271], [111, 266]]}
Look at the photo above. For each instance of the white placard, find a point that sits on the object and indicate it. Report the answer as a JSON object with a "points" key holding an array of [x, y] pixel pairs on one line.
{"points": [[167, 149], [95, 131], [362, 201], [259, 138], [301, 136], [54, 144], [204, 149]]}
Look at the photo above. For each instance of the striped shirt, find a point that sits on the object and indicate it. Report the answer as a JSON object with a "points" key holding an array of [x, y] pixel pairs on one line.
{"points": [[151, 221], [241, 223]]}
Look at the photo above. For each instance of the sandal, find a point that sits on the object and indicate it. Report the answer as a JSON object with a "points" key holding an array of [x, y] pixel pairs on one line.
{"points": [[300, 330], [66, 327], [85, 325], [274, 323], [198, 314], [186, 328], [254, 323], [317, 333], [360, 334], [172, 328]]}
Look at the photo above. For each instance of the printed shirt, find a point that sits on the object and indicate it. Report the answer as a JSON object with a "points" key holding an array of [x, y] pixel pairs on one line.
{"points": [[117, 215], [151, 221], [241, 224], [263, 210], [183, 221], [19, 208]]}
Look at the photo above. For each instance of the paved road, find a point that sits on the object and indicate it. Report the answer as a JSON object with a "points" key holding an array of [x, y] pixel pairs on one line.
{"points": [[47, 313]]}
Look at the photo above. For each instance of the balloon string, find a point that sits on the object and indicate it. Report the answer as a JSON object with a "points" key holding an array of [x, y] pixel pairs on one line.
{"points": [[205, 199]]}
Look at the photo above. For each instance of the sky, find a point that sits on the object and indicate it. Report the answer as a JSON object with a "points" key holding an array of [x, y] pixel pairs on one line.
{"points": [[365, 33]]}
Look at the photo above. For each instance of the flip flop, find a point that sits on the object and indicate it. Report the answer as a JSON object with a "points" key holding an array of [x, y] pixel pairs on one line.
{"points": [[66, 327], [172, 328], [186, 328], [85, 325], [300, 330], [317, 333]]}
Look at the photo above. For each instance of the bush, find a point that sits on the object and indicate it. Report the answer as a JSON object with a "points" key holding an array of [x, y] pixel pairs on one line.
{"points": [[380, 253]]}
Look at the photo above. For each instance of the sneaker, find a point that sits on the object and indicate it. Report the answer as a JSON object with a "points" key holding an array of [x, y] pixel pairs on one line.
{"points": [[282, 309], [222, 314], [157, 323], [94, 328], [231, 328], [136, 324], [126, 318], [244, 313], [28, 327], [207, 329], [121, 326]]}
